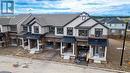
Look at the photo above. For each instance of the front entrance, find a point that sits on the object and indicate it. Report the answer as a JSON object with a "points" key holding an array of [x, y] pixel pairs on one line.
{"points": [[82, 53], [33, 44]]}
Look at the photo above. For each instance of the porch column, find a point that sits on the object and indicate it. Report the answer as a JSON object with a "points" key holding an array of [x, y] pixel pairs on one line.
{"points": [[105, 52], [38, 45], [73, 48], [90, 50], [61, 48], [22, 42], [28, 44]]}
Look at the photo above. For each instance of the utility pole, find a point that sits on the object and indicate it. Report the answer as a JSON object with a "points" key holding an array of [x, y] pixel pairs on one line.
{"points": [[122, 54]]}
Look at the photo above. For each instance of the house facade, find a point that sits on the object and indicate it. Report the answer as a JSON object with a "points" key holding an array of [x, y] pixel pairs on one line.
{"points": [[74, 35], [116, 26]]}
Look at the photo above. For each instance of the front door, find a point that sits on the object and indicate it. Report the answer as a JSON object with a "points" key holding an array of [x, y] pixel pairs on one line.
{"points": [[33, 43]]}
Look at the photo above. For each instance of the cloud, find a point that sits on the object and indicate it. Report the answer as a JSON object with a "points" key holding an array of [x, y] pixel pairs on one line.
{"points": [[93, 7]]}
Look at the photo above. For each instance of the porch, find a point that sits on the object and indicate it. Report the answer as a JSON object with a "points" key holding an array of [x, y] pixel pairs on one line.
{"points": [[98, 49], [67, 47], [32, 42], [2, 40]]}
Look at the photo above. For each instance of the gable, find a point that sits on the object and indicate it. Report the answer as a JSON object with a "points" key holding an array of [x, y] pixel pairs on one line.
{"points": [[89, 23], [98, 25], [76, 22]]}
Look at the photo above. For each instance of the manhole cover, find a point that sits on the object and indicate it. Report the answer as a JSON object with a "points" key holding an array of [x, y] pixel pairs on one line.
{"points": [[5, 72]]}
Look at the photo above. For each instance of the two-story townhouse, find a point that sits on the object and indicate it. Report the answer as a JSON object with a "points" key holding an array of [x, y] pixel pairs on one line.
{"points": [[39, 30], [70, 33], [3, 31], [116, 26], [81, 34]]}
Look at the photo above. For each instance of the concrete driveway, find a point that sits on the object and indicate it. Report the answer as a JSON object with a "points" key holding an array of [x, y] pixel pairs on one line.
{"points": [[38, 66]]}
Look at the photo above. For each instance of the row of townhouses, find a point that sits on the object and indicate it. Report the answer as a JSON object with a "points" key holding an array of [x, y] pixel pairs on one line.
{"points": [[70, 33]]}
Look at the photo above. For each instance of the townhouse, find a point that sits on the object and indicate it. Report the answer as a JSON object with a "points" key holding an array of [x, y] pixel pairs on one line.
{"points": [[116, 26], [72, 34]]}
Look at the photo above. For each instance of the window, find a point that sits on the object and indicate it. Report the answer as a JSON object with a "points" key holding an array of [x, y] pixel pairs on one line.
{"points": [[69, 30], [36, 29], [25, 28], [83, 32], [113, 25], [83, 17], [59, 30], [13, 28], [98, 32], [122, 25], [99, 51], [52, 29]]}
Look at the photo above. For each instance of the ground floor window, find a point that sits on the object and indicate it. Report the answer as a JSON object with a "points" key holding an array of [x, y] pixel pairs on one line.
{"points": [[14, 42], [25, 42], [20, 41], [98, 51]]}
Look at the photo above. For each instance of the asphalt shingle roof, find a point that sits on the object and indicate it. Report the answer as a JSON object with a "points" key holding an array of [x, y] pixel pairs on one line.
{"points": [[4, 20], [51, 19], [112, 21]]}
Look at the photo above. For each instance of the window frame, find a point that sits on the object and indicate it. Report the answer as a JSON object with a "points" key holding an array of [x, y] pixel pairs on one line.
{"points": [[60, 30], [99, 51], [37, 30], [99, 30], [85, 31], [69, 30]]}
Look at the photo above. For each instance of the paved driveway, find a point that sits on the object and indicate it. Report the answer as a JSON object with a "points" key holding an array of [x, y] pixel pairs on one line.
{"points": [[38, 66]]}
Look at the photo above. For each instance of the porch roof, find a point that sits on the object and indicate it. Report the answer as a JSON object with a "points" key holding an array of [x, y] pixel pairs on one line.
{"points": [[97, 41], [32, 36], [69, 39]]}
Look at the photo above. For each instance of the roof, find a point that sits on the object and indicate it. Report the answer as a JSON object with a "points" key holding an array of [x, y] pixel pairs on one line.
{"points": [[51, 19], [18, 18], [69, 39], [89, 23], [32, 36], [4, 20], [97, 41], [112, 21]]}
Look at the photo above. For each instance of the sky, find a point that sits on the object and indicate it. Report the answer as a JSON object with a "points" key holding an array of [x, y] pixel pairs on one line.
{"points": [[93, 7]]}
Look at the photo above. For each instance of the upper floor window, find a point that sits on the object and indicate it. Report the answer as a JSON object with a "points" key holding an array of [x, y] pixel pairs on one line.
{"points": [[59, 30], [52, 29], [83, 32], [25, 28], [122, 25], [83, 17], [13, 28], [98, 32], [69, 30], [36, 29]]}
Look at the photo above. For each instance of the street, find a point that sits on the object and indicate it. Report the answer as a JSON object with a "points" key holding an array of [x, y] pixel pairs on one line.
{"points": [[40, 66]]}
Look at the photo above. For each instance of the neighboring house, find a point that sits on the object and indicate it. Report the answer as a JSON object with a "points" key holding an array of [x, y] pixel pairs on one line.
{"points": [[3, 35], [115, 25], [10, 27], [70, 33]]}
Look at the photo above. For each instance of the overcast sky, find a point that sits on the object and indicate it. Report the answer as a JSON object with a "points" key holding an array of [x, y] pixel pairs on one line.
{"points": [[93, 7]]}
